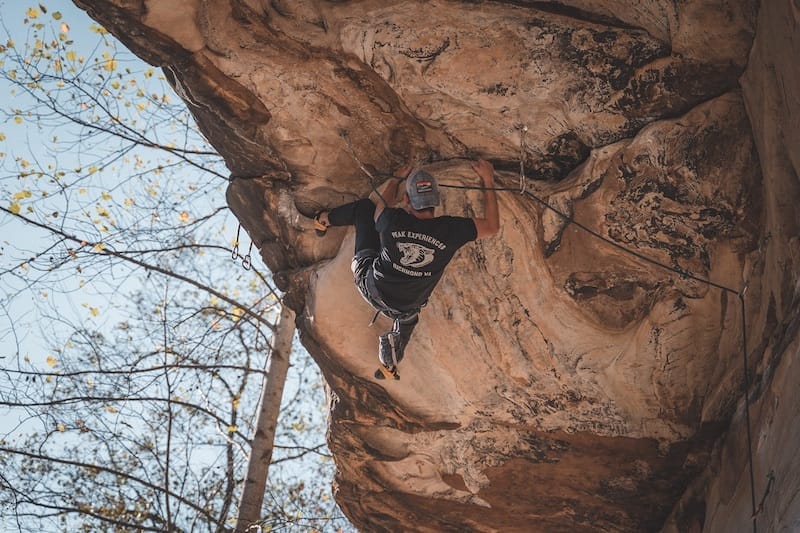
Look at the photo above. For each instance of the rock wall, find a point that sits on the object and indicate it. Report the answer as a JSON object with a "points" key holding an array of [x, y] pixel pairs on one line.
{"points": [[722, 498], [565, 376]]}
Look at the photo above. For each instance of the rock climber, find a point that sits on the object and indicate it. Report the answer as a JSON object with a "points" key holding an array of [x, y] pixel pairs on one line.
{"points": [[401, 253]]}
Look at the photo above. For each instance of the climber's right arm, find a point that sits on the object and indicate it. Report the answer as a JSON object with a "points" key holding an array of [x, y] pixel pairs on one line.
{"points": [[490, 223]]}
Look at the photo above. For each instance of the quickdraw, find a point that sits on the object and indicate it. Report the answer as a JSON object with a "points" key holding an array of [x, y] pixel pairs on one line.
{"points": [[247, 262]]}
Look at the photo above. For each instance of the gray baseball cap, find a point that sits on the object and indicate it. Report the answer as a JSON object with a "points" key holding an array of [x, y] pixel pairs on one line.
{"points": [[422, 190]]}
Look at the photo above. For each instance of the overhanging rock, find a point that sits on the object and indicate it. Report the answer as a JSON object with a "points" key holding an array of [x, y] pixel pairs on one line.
{"points": [[556, 381]]}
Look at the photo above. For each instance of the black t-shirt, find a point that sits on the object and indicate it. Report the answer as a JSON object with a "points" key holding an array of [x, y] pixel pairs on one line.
{"points": [[414, 253]]}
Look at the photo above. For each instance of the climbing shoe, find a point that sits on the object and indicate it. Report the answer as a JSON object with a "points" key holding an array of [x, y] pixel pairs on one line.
{"points": [[387, 372], [386, 349], [387, 357]]}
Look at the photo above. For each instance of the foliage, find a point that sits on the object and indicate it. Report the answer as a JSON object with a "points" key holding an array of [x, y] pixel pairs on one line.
{"points": [[134, 347]]}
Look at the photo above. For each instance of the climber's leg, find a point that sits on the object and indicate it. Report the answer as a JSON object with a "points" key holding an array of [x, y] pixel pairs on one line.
{"points": [[403, 327]]}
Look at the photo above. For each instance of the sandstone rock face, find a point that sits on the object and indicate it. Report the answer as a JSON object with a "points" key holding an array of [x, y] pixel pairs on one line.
{"points": [[576, 372]]}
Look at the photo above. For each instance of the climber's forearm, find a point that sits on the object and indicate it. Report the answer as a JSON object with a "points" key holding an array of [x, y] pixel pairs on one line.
{"points": [[344, 215], [490, 208], [490, 223]]}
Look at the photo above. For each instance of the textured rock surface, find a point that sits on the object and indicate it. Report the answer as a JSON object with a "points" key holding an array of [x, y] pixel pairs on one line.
{"points": [[556, 382]]}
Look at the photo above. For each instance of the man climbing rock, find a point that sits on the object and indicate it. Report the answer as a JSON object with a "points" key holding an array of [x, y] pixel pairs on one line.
{"points": [[401, 253]]}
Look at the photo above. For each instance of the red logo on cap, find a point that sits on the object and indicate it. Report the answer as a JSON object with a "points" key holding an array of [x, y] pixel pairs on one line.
{"points": [[424, 186]]}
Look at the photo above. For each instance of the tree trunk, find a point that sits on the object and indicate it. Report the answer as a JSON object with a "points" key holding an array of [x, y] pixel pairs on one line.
{"points": [[266, 423]]}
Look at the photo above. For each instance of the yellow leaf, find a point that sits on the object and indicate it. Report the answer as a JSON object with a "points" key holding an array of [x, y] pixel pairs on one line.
{"points": [[90, 382], [115, 84], [92, 170], [184, 216], [71, 55], [14, 208], [32, 13], [233, 429], [106, 196], [111, 409], [21, 195], [57, 15], [82, 190], [49, 379], [110, 65], [128, 202], [51, 361], [64, 27], [141, 106], [26, 359], [149, 73], [62, 428], [94, 311], [18, 119], [2, 136], [98, 29], [99, 247]]}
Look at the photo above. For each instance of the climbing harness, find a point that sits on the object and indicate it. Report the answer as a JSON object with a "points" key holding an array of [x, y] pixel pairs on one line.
{"points": [[246, 260]]}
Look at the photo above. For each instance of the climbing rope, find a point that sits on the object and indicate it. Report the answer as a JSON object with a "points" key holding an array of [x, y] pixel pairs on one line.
{"points": [[770, 481], [747, 411], [523, 151], [346, 137]]}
